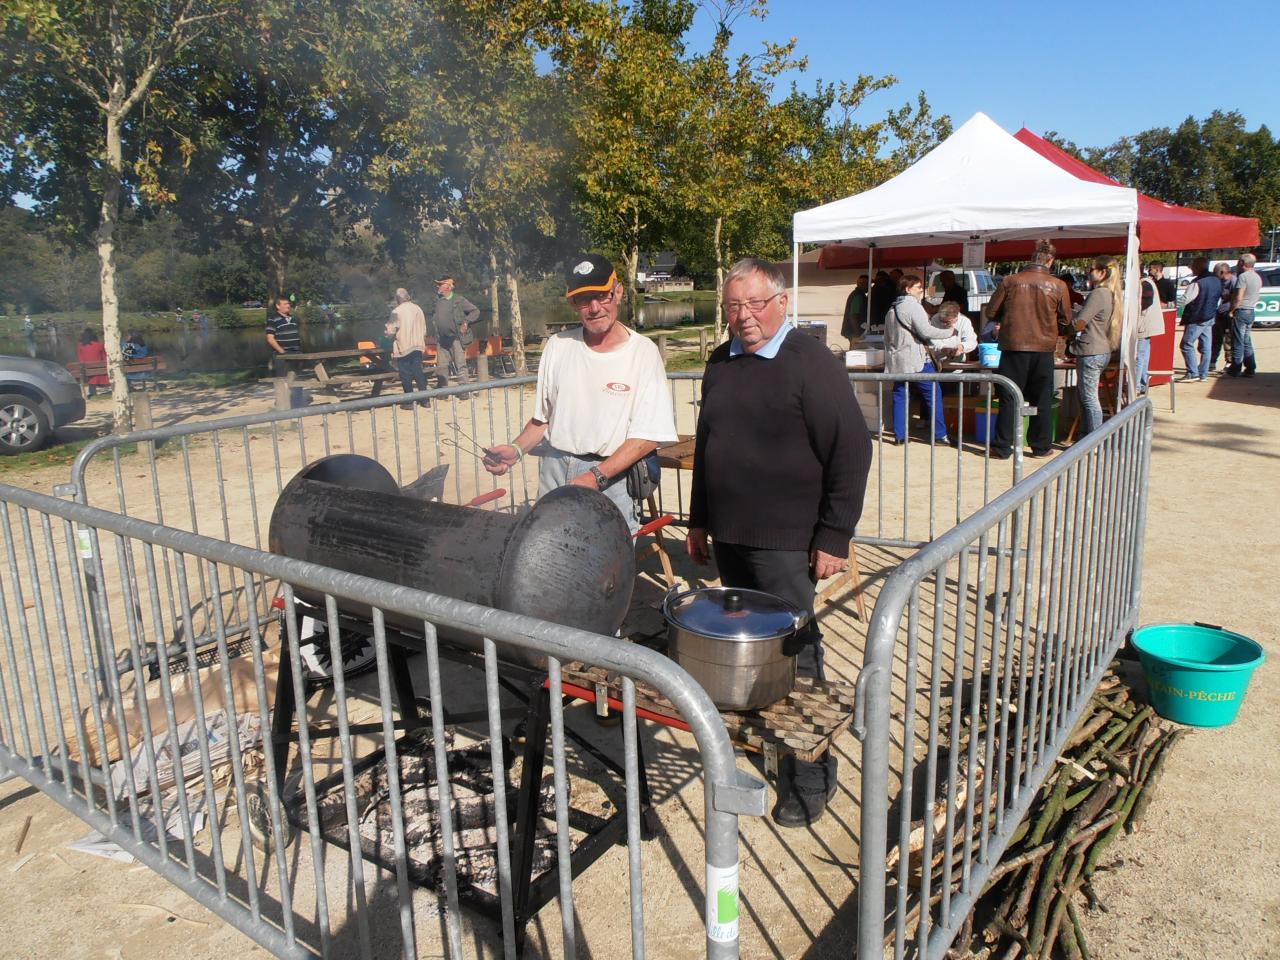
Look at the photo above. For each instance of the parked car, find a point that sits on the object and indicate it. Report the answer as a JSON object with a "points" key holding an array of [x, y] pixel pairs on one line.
{"points": [[251, 304], [36, 397], [1267, 313]]}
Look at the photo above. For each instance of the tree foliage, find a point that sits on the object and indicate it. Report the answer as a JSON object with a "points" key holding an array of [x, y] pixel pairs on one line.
{"points": [[340, 149], [1213, 164]]}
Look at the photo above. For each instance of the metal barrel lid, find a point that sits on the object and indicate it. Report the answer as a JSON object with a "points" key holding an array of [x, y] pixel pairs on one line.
{"points": [[731, 613], [570, 560]]}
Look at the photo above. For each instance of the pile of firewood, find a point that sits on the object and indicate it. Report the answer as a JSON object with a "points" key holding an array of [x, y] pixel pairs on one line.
{"points": [[1102, 786]]}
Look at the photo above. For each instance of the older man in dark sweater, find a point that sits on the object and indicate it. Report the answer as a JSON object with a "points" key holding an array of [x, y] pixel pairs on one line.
{"points": [[780, 471]]}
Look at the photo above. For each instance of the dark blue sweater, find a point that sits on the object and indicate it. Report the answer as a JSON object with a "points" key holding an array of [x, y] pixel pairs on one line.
{"points": [[782, 450]]}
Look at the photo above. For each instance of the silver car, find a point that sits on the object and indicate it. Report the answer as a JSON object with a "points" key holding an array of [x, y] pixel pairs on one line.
{"points": [[36, 397]]}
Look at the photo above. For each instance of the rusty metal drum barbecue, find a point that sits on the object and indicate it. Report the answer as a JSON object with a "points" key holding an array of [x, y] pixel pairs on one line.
{"points": [[568, 559]]}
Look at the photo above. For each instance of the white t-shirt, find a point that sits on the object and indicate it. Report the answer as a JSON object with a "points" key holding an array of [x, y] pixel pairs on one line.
{"points": [[592, 402]]}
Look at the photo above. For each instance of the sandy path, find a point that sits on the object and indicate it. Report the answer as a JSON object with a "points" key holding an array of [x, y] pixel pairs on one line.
{"points": [[1202, 876]]}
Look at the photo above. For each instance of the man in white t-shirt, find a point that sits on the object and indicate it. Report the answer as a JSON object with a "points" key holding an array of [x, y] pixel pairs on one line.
{"points": [[603, 402]]}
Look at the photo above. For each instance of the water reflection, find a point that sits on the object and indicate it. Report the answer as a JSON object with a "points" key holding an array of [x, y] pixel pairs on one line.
{"points": [[673, 314]]}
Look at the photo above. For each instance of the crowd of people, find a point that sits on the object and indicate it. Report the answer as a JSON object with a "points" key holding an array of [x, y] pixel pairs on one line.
{"points": [[1031, 312]]}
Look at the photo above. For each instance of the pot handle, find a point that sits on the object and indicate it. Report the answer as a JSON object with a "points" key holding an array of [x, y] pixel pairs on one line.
{"points": [[802, 619], [673, 594]]}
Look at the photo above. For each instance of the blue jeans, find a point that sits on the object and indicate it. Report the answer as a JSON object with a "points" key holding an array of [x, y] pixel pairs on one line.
{"points": [[1090, 371], [1197, 335], [1242, 355], [1142, 363], [557, 467], [930, 393]]}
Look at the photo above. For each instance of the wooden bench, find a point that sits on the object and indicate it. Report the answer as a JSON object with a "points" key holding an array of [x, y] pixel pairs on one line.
{"points": [[144, 368], [288, 365], [332, 381]]}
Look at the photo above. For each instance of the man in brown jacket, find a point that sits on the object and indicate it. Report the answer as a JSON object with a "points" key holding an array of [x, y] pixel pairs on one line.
{"points": [[1030, 306]]}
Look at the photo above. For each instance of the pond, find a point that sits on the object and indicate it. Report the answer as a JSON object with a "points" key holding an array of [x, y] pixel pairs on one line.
{"points": [[196, 349]]}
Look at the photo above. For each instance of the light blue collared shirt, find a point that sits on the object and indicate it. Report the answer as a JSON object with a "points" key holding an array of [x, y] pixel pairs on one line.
{"points": [[769, 350]]}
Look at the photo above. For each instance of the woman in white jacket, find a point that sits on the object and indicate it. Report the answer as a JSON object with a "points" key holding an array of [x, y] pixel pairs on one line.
{"points": [[908, 329]]}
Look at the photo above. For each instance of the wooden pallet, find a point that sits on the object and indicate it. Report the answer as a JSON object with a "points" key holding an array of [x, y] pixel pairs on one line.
{"points": [[803, 724]]}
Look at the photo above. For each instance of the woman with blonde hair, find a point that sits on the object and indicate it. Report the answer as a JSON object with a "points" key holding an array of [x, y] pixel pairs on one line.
{"points": [[1098, 326]]}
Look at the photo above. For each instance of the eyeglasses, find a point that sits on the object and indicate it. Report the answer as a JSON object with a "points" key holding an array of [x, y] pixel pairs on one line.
{"points": [[582, 301], [752, 306]]}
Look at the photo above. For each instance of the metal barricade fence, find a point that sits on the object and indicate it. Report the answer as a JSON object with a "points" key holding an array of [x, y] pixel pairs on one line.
{"points": [[911, 485], [162, 755], [983, 650], [221, 478], [913, 492]]}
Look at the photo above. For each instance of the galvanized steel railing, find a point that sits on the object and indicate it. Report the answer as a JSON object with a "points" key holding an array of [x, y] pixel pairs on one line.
{"points": [[1008, 524], [983, 650], [917, 491], [90, 704]]}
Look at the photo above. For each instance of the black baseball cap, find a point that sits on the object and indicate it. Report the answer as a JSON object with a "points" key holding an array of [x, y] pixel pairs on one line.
{"points": [[591, 273]]}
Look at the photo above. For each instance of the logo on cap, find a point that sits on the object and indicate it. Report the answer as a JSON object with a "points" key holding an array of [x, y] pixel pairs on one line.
{"points": [[583, 268]]}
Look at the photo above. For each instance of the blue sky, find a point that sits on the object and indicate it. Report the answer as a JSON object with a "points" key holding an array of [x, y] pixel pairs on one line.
{"points": [[1036, 65]]}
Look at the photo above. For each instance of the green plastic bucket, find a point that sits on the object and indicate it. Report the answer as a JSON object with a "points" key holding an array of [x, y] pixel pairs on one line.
{"points": [[1197, 674]]}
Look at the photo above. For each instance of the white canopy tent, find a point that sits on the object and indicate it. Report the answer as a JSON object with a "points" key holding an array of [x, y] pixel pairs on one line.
{"points": [[978, 185]]}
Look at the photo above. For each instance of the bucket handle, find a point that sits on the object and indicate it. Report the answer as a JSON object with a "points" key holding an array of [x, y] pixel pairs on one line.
{"points": [[1210, 626]]}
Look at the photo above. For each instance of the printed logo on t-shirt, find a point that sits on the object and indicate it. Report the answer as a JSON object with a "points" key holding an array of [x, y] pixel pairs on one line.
{"points": [[616, 387]]}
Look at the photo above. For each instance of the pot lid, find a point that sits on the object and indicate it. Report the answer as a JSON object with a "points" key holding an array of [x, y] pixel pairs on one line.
{"points": [[730, 613]]}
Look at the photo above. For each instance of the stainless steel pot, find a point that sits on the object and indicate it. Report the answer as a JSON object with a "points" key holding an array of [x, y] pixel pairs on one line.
{"points": [[731, 641]]}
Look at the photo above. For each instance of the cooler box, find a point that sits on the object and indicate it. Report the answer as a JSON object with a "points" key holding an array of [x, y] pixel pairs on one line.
{"points": [[867, 357]]}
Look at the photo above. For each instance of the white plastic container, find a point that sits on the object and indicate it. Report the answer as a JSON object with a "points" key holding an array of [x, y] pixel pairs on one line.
{"points": [[866, 357]]}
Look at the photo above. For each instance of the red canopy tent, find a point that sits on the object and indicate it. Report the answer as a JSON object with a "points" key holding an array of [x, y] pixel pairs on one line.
{"points": [[1161, 226]]}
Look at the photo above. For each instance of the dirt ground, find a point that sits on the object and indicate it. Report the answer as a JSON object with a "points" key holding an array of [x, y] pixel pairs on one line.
{"points": [[1201, 878]]}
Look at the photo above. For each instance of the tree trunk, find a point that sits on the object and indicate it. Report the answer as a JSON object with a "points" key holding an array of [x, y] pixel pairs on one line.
{"points": [[632, 265], [494, 281], [273, 255], [517, 323], [720, 319], [121, 407]]}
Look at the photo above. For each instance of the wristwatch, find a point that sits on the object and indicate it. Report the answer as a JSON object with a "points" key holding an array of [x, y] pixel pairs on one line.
{"points": [[601, 480]]}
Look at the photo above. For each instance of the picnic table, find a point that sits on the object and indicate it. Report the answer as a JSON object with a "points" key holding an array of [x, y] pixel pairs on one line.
{"points": [[333, 369]]}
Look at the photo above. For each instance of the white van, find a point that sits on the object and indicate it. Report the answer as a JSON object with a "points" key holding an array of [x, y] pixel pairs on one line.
{"points": [[979, 284]]}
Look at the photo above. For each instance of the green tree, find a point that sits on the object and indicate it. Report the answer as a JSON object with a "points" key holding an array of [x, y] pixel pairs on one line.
{"points": [[1213, 164], [107, 55], [630, 85]]}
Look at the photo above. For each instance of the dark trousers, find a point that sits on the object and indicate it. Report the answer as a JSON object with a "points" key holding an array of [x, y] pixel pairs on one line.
{"points": [[1032, 371], [412, 376], [785, 574], [1221, 338]]}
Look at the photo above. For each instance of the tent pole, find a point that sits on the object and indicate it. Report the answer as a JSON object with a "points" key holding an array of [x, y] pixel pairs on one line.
{"points": [[1126, 389], [795, 281], [871, 279]]}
